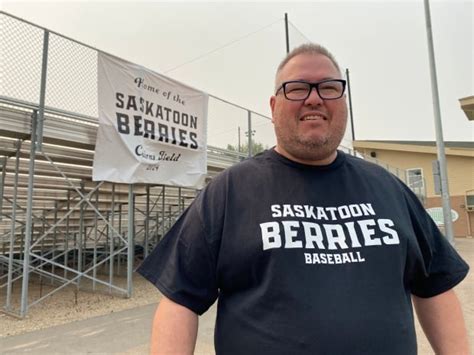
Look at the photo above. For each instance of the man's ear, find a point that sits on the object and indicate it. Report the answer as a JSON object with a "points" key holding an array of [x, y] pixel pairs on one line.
{"points": [[272, 105]]}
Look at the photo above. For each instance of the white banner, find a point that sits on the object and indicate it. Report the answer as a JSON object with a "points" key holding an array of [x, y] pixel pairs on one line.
{"points": [[152, 129]]}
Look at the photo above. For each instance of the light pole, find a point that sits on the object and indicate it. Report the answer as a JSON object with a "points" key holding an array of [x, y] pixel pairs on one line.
{"points": [[252, 133], [448, 225], [238, 146]]}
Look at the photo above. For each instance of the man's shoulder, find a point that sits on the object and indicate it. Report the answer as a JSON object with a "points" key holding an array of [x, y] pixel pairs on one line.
{"points": [[366, 165], [255, 162], [379, 176], [242, 170]]}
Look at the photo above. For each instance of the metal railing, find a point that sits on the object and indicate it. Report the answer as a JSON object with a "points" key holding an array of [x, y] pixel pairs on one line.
{"points": [[57, 225]]}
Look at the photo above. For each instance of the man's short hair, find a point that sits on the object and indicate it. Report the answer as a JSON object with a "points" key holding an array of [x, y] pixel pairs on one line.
{"points": [[307, 48]]}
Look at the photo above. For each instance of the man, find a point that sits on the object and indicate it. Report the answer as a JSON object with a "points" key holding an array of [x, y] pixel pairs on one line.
{"points": [[308, 250]]}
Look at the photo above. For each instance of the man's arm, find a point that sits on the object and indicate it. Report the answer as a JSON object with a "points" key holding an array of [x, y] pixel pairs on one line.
{"points": [[443, 323], [174, 329]]}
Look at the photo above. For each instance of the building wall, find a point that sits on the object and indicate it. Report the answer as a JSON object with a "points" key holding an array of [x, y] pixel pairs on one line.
{"points": [[460, 179], [464, 225], [460, 168]]}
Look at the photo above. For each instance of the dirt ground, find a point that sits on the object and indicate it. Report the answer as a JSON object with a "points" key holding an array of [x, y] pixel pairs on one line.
{"points": [[67, 306]]}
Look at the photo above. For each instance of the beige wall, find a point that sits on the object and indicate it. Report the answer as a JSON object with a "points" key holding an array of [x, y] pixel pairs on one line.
{"points": [[464, 225], [460, 168]]}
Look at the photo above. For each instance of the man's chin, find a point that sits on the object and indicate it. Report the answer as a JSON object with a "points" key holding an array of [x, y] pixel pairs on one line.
{"points": [[313, 151], [313, 143]]}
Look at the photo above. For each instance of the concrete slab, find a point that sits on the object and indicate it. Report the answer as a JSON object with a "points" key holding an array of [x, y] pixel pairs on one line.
{"points": [[125, 332], [128, 332]]}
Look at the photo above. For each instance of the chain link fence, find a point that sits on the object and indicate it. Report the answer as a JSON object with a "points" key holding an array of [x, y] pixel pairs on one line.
{"points": [[60, 227], [71, 80], [21, 49], [72, 77]]}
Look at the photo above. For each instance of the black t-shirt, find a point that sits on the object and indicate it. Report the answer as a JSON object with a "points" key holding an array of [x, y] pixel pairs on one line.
{"points": [[305, 259]]}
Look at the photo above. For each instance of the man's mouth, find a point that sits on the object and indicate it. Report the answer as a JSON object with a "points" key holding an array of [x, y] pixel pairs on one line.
{"points": [[312, 117]]}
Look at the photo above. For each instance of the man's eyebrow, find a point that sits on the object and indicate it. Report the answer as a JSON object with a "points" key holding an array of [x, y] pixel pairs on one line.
{"points": [[310, 81]]}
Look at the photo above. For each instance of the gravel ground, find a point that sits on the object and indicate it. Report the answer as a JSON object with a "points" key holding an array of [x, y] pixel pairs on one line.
{"points": [[62, 307]]}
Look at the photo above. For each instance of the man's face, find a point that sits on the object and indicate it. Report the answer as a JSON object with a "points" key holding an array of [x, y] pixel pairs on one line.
{"points": [[308, 131]]}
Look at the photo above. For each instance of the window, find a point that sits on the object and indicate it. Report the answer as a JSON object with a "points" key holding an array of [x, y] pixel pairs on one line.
{"points": [[415, 177], [416, 182]]}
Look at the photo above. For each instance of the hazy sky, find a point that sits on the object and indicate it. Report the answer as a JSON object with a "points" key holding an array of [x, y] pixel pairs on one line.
{"points": [[383, 43]]}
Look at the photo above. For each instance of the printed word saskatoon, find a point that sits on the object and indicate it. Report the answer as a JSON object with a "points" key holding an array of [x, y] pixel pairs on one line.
{"points": [[163, 131], [342, 242]]}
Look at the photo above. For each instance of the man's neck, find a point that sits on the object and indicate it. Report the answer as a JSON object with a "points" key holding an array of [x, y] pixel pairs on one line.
{"points": [[316, 162]]}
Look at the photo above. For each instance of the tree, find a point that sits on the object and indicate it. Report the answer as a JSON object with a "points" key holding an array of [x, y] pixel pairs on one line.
{"points": [[244, 148]]}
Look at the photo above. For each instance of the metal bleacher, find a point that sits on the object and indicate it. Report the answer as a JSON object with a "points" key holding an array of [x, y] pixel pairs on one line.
{"points": [[57, 226]]}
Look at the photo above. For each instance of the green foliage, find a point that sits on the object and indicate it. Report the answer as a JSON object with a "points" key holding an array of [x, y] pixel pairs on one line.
{"points": [[244, 148]]}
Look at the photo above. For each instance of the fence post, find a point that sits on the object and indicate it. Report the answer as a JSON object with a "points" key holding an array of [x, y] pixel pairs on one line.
{"points": [[147, 222], [112, 237], [2, 185], [81, 237], [163, 228], [42, 91], [29, 221], [13, 227], [131, 246]]}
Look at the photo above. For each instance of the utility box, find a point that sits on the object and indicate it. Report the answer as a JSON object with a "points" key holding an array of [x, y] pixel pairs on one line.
{"points": [[436, 177]]}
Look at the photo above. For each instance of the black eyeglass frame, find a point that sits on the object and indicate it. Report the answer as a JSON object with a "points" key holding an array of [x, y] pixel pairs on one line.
{"points": [[311, 86]]}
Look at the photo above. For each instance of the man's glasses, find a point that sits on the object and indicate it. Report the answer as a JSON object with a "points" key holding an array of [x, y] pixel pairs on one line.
{"points": [[298, 90]]}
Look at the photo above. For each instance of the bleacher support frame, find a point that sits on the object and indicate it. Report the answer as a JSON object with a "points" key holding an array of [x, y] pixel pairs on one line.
{"points": [[58, 228]]}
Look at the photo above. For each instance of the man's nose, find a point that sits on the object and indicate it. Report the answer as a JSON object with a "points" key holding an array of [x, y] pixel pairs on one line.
{"points": [[313, 98]]}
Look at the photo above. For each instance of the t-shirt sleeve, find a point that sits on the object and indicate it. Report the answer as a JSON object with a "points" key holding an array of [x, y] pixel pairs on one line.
{"points": [[434, 266], [182, 266]]}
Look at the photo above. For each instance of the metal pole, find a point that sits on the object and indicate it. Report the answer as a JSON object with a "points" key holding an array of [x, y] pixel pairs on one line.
{"points": [[94, 255], [157, 226], [29, 212], [163, 227], [120, 219], [36, 125], [147, 221], [42, 90], [169, 215], [56, 207], [43, 228], [107, 236], [66, 242], [448, 225], [13, 227], [22, 243], [130, 240], [74, 255], [111, 245], [119, 257], [350, 104], [2, 184], [80, 238], [469, 228], [238, 147], [287, 34], [250, 133]]}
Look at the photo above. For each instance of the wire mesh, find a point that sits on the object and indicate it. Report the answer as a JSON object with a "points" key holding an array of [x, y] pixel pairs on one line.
{"points": [[83, 244], [262, 133], [71, 77], [226, 125], [21, 47]]}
